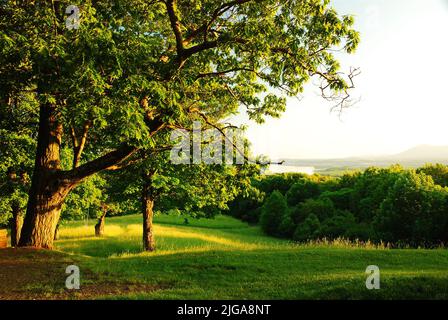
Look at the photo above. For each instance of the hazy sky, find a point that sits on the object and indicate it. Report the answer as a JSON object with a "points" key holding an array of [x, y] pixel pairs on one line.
{"points": [[403, 88]]}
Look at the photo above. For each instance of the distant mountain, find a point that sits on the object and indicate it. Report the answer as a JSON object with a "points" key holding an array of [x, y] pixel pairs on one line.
{"points": [[424, 151], [414, 157]]}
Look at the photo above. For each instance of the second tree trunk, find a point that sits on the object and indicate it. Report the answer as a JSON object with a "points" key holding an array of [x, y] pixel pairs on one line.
{"points": [[16, 225], [148, 212], [99, 227]]}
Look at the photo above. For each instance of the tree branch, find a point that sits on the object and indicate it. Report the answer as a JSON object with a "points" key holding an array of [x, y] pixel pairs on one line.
{"points": [[175, 25], [222, 132], [78, 145], [223, 9], [108, 160], [224, 72]]}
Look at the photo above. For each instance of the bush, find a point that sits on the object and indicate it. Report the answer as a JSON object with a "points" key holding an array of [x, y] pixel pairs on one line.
{"points": [[252, 216], [308, 230], [273, 212], [360, 231], [338, 225], [245, 209], [287, 226]]}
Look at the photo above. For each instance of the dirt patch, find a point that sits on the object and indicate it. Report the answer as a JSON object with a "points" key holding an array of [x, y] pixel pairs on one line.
{"points": [[30, 274]]}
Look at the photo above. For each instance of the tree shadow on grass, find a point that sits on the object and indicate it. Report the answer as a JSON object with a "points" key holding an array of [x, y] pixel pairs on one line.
{"points": [[30, 274]]}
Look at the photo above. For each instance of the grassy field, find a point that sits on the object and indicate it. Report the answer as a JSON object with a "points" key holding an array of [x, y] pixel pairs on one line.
{"points": [[224, 258]]}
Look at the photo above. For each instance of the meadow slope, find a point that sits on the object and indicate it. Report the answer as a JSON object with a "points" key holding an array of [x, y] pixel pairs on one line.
{"points": [[221, 258]]}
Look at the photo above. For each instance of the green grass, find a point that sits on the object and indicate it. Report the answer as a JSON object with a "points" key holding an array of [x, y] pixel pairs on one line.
{"points": [[224, 258]]}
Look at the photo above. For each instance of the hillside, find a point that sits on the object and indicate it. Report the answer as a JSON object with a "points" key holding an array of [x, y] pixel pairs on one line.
{"points": [[215, 259], [425, 152]]}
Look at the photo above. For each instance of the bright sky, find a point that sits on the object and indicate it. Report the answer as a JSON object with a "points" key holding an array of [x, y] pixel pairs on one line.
{"points": [[403, 88]]}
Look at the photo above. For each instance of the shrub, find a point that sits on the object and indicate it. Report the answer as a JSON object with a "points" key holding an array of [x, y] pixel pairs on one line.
{"points": [[287, 226], [360, 231], [252, 216], [243, 208], [338, 225], [308, 230], [272, 213]]}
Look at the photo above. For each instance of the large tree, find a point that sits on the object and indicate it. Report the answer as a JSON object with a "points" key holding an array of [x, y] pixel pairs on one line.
{"points": [[135, 68]]}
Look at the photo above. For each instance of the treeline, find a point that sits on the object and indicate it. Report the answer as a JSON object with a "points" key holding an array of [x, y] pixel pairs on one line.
{"points": [[402, 207]]}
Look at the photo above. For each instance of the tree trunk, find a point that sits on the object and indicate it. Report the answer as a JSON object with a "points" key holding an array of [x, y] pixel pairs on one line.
{"points": [[48, 188], [56, 232], [16, 225], [50, 185], [147, 210], [43, 212], [99, 227]]}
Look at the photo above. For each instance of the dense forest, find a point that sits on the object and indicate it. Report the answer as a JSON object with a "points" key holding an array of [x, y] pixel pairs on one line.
{"points": [[396, 206]]}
